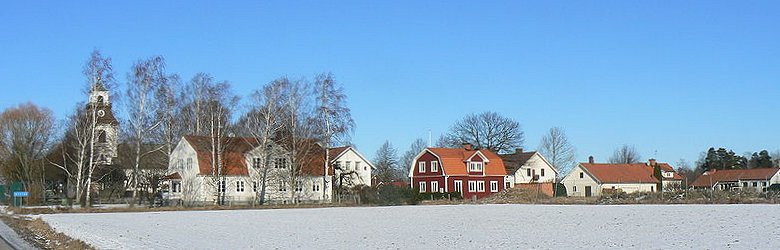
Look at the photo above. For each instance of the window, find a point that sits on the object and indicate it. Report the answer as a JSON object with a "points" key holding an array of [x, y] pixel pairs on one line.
{"points": [[475, 167], [315, 187], [421, 167], [542, 174], [434, 166], [282, 186], [280, 163], [189, 163], [574, 188], [652, 189], [764, 184], [176, 187], [222, 186], [254, 186], [744, 184], [472, 186], [179, 164], [458, 186], [256, 162], [582, 175], [755, 184], [348, 165], [357, 166], [493, 186], [100, 99], [434, 186], [299, 187], [481, 186], [422, 187], [528, 172], [239, 186], [507, 185], [102, 136]]}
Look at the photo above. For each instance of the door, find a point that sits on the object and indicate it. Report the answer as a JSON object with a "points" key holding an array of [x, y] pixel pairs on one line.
{"points": [[587, 191]]}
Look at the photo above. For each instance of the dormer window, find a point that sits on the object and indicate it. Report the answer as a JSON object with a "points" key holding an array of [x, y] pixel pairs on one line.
{"points": [[476, 167]]}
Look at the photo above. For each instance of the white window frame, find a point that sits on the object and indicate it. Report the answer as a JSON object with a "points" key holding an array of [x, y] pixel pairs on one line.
{"points": [[422, 187], [458, 186], [493, 186], [357, 166], [434, 166], [480, 186], [476, 166], [348, 165], [421, 167], [472, 186], [434, 186]]}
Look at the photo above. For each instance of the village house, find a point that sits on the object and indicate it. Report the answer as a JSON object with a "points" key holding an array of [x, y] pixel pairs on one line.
{"points": [[593, 179], [471, 172], [529, 170], [252, 172], [757, 179]]}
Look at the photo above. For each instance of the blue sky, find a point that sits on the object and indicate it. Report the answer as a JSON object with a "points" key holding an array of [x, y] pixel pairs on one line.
{"points": [[671, 78]]}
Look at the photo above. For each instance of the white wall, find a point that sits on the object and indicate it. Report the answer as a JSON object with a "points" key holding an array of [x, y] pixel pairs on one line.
{"points": [[363, 168], [573, 180], [631, 187], [536, 164]]}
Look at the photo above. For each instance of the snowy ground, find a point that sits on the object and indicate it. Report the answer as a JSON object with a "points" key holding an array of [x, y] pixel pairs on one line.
{"points": [[435, 227]]}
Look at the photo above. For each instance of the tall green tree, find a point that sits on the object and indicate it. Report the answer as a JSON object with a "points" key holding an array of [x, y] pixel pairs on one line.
{"points": [[722, 159]]}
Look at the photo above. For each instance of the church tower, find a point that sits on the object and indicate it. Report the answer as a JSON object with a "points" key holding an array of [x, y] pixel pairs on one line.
{"points": [[106, 125]]}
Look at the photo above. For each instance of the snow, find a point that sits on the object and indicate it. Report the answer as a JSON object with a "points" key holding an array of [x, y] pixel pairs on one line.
{"points": [[434, 227]]}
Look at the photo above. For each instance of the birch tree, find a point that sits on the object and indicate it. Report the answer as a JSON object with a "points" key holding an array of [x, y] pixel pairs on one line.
{"points": [[334, 119], [144, 80], [98, 72], [262, 123], [75, 153]]}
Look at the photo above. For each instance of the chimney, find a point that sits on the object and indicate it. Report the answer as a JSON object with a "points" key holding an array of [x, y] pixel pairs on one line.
{"points": [[590, 159], [467, 146], [651, 162], [518, 150]]}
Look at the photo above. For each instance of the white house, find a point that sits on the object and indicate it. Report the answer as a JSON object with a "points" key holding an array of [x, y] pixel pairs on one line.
{"points": [[592, 179], [252, 173], [757, 179], [351, 167], [528, 169]]}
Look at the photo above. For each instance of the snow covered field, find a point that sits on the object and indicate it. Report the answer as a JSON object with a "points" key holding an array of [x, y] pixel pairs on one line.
{"points": [[435, 227]]}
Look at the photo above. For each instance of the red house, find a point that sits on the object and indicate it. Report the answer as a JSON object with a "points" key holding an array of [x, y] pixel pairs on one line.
{"points": [[471, 172]]}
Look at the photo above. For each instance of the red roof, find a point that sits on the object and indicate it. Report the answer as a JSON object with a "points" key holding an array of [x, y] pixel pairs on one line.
{"points": [[233, 157], [668, 168], [174, 176], [235, 149], [453, 161], [620, 173], [710, 178]]}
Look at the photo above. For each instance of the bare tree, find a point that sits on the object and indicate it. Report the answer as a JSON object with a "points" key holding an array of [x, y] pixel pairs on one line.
{"points": [[25, 132], [487, 130], [169, 107], [386, 162], [555, 146], [98, 72], [334, 120], [415, 148], [144, 80], [625, 155], [299, 132], [262, 123], [74, 150]]}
